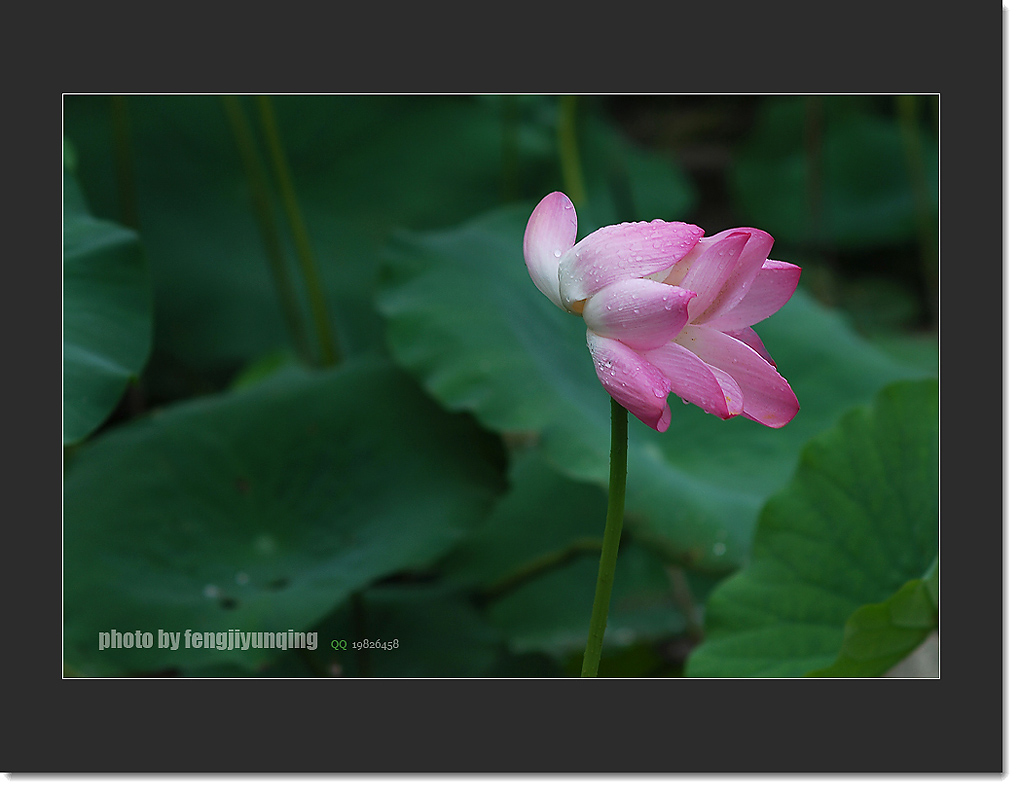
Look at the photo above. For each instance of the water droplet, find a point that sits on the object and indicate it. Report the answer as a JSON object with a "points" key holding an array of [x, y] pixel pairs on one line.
{"points": [[719, 548], [265, 544], [241, 578], [557, 253], [211, 591]]}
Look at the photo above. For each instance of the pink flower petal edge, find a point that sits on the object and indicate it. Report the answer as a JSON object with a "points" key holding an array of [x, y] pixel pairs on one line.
{"points": [[641, 313], [720, 268], [772, 287], [631, 380], [752, 340], [669, 310], [768, 398], [551, 231], [621, 252], [695, 381]]}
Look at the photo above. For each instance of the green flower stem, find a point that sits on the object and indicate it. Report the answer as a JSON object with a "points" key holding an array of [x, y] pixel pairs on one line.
{"points": [[330, 353], [261, 197], [570, 156], [610, 541]]}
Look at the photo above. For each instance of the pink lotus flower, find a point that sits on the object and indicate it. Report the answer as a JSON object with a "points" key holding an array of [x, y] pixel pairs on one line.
{"points": [[669, 309]]}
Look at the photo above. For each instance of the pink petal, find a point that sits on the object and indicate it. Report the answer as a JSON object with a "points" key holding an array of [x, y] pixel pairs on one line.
{"points": [[693, 380], [772, 287], [631, 380], [721, 269], [617, 253], [641, 313], [752, 340], [551, 231], [768, 398]]}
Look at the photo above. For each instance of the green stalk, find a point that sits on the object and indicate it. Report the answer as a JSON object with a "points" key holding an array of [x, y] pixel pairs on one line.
{"points": [[927, 231], [258, 188], [570, 155], [685, 601], [814, 121], [123, 161], [610, 540], [510, 145], [330, 353], [540, 565]]}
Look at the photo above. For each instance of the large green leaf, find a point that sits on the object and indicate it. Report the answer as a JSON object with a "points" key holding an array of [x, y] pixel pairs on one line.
{"points": [[464, 317], [396, 630], [551, 613], [362, 166], [534, 562], [263, 509], [412, 631], [880, 635], [824, 169], [107, 314], [857, 526], [544, 521], [622, 181]]}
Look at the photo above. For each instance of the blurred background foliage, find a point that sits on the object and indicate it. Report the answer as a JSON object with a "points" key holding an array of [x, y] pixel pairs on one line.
{"points": [[309, 385]]}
